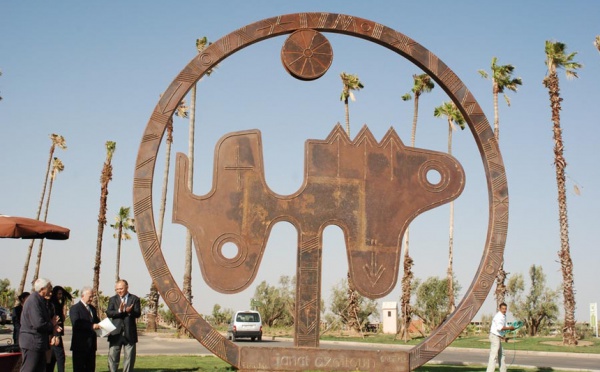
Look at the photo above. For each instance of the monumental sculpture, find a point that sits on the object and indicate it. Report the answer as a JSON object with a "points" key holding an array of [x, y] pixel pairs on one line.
{"points": [[371, 189]]}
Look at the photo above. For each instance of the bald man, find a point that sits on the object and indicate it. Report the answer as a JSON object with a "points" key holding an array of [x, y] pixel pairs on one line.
{"points": [[123, 310]]}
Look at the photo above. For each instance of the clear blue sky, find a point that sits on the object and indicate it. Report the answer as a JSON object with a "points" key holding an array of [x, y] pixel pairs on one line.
{"points": [[93, 72]]}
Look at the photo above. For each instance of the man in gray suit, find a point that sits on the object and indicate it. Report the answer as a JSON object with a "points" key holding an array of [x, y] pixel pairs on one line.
{"points": [[36, 327], [84, 319], [123, 310]]}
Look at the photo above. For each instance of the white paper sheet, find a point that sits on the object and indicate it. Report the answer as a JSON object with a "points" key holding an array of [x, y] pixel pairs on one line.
{"points": [[106, 327]]}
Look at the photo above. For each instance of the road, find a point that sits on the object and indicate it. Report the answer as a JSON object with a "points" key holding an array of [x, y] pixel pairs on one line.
{"points": [[159, 344]]}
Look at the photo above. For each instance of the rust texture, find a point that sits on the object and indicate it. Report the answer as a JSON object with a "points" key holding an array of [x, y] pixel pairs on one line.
{"points": [[371, 189], [306, 54]]}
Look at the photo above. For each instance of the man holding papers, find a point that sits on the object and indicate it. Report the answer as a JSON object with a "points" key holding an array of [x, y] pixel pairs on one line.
{"points": [[84, 319], [123, 309]]}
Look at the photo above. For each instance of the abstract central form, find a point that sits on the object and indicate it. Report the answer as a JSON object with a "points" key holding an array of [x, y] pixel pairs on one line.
{"points": [[372, 190]]}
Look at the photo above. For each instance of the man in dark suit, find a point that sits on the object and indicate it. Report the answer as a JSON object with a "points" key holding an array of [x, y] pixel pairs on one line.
{"points": [[123, 310], [36, 328], [84, 319]]}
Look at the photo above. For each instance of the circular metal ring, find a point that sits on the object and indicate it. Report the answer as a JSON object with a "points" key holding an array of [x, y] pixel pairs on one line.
{"points": [[352, 26]]}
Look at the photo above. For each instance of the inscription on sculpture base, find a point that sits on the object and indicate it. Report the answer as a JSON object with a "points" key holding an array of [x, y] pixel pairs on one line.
{"points": [[253, 359]]}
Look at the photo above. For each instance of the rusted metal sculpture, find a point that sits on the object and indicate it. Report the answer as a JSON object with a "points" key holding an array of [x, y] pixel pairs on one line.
{"points": [[306, 54], [361, 186], [371, 189]]}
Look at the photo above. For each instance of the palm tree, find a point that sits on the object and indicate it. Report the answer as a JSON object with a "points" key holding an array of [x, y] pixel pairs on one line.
{"points": [[201, 44], [350, 83], [57, 167], [453, 115], [57, 141], [154, 296], [596, 44], [182, 112], [556, 57], [422, 84], [105, 178], [501, 79], [124, 224]]}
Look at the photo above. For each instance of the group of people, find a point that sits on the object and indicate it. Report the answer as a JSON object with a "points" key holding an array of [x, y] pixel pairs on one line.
{"points": [[39, 328]]}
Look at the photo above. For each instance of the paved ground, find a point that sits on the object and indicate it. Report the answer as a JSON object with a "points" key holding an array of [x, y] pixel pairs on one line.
{"points": [[165, 344]]}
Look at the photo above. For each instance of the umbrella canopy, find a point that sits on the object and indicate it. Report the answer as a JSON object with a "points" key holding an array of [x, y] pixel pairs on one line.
{"points": [[28, 228]]}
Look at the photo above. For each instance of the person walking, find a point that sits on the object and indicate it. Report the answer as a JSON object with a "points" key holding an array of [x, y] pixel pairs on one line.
{"points": [[36, 328], [497, 331], [123, 310], [84, 319], [57, 300]]}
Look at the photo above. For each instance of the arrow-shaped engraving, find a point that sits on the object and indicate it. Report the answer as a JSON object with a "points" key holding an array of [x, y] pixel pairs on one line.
{"points": [[373, 271]]}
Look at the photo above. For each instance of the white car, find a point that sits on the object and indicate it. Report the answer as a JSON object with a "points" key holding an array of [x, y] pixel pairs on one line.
{"points": [[247, 323]]}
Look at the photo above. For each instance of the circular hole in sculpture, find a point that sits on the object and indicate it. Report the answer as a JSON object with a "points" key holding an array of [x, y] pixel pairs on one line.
{"points": [[230, 250], [434, 177]]}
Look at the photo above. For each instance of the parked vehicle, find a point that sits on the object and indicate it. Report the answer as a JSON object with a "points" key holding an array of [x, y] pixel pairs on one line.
{"points": [[5, 316], [245, 324]]}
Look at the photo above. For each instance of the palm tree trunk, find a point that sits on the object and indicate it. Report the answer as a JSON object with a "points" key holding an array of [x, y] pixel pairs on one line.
{"points": [[500, 292], [413, 133], [347, 112], [353, 308], [451, 304], [496, 118], [187, 277], [38, 261], [352, 305], [449, 274], [569, 331], [163, 199], [405, 307], [154, 296], [187, 274], [119, 235], [41, 246], [37, 217], [106, 177], [408, 262]]}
